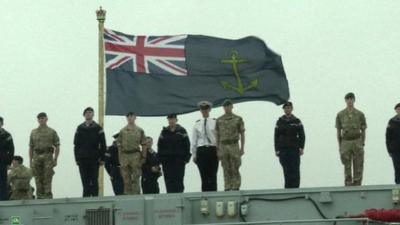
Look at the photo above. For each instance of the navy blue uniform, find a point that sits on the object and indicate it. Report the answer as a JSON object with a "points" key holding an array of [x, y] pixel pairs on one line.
{"points": [[393, 144], [289, 139], [112, 166], [6, 155], [89, 149], [174, 153], [149, 178]]}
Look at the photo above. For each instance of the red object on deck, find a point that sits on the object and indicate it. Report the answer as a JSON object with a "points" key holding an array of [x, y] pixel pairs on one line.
{"points": [[384, 215]]}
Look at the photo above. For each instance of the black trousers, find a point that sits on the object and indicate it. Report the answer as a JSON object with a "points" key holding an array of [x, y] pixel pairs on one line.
{"points": [[174, 171], [150, 185], [207, 162], [290, 161], [4, 192], [116, 179], [89, 171], [396, 165]]}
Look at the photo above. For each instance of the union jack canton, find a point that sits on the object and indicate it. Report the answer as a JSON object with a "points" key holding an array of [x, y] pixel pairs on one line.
{"points": [[163, 55]]}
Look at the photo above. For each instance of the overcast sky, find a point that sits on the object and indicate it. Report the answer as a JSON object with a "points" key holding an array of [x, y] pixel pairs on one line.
{"points": [[50, 56]]}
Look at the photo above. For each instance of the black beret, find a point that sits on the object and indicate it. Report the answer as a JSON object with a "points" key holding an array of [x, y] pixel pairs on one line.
{"points": [[350, 95], [170, 116], [397, 106], [227, 102], [130, 114], [116, 135], [88, 109], [18, 158], [41, 115], [149, 138], [287, 104]]}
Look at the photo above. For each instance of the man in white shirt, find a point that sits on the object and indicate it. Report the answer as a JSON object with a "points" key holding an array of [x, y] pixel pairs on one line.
{"points": [[204, 148]]}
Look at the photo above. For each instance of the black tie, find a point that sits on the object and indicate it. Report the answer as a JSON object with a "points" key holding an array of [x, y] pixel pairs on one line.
{"points": [[205, 131]]}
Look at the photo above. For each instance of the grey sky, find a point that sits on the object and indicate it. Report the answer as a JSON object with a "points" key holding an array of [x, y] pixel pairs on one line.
{"points": [[49, 63]]}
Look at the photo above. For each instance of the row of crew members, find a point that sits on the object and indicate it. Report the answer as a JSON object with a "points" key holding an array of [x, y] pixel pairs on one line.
{"points": [[212, 141]]}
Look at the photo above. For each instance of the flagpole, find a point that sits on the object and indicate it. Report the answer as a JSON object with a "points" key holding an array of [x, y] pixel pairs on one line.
{"points": [[101, 17]]}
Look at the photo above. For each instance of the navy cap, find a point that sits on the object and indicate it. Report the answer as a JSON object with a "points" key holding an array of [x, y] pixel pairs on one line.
{"points": [[41, 115], [171, 116], [287, 104], [88, 109], [350, 95], [203, 105]]}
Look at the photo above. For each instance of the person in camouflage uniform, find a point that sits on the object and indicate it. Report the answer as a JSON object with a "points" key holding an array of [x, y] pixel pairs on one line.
{"points": [[131, 158], [19, 179], [229, 130], [44, 148], [351, 125]]}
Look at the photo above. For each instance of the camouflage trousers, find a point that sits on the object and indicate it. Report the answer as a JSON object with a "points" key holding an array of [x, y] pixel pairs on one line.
{"points": [[21, 195], [230, 157], [131, 171], [42, 169], [352, 155]]}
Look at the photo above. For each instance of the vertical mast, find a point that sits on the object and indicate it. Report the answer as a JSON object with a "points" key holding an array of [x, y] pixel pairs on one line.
{"points": [[101, 17]]}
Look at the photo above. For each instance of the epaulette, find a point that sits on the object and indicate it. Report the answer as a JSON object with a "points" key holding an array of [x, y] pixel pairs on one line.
{"points": [[198, 120]]}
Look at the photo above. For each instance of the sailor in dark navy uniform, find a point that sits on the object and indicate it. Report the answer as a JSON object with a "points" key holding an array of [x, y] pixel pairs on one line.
{"points": [[113, 168], [393, 142], [289, 145], [174, 153], [6, 155], [151, 170]]}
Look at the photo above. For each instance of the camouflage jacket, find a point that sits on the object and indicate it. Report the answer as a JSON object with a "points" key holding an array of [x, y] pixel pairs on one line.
{"points": [[228, 127], [130, 139], [351, 123], [43, 139], [19, 178]]}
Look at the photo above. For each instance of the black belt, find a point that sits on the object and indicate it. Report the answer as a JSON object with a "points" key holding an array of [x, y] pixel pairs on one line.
{"points": [[206, 147]]}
